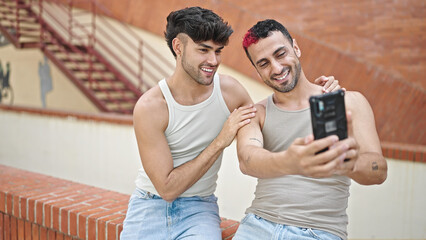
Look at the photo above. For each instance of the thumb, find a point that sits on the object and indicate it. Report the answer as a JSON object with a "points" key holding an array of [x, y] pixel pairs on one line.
{"points": [[308, 139], [303, 141]]}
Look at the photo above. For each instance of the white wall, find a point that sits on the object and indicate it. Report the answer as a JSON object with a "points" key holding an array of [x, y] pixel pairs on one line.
{"points": [[105, 155]]}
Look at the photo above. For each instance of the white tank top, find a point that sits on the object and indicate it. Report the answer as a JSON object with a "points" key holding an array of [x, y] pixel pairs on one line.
{"points": [[190, 130]]}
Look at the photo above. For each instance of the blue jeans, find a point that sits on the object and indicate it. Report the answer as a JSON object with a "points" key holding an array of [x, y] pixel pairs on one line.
{"points": [[150, 217], [253, 227]]}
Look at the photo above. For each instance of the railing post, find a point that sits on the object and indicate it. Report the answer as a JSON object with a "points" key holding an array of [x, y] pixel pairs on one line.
{"points": [[92, 42], [41, 22], [18, 33], [140, 64], [70, 21]]}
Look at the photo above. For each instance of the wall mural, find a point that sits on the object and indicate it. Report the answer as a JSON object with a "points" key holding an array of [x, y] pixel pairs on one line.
{"points": [[3, 40], [6, 93], [45, 80]]}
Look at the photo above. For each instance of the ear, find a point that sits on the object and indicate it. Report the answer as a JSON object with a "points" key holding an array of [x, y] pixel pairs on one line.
{"points": [[177, 46], [296, 49]]}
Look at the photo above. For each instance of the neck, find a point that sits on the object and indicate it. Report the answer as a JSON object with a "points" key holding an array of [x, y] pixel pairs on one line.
{"points": [[298, 98], [187, 91]]}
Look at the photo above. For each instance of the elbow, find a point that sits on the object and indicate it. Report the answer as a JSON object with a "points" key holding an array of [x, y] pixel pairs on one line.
{"points": [[243, 169], [166, 193], [382, 177], [384, 173], [243, 164], [167, 196]]}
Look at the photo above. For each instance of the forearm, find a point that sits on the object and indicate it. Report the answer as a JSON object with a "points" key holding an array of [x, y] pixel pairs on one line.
{"points": [[261, 163], [371, 168], [184, 176]]}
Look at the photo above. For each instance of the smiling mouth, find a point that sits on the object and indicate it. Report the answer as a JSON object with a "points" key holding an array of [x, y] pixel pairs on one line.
{"points": [[209, 70], [284, 76]]}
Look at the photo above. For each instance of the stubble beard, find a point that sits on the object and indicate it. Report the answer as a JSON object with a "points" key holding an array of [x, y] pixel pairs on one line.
{"points": [[195, 73], [289, 86]]}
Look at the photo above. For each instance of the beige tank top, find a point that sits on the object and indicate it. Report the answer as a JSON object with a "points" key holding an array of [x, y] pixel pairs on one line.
{"points": [[294, 199]]}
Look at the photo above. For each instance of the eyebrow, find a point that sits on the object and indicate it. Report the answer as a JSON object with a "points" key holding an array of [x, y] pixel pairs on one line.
{"points": [[209, 47], [275, 52]]}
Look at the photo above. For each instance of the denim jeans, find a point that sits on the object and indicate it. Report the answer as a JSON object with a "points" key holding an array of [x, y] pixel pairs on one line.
{"points": [[150, 217], [253, 227]]}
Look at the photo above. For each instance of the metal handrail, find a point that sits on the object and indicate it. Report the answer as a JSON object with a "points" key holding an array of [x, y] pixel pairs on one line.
{"points": [[107, 43]]}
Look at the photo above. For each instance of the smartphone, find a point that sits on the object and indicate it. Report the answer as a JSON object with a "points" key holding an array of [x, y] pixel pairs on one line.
{"points": [[328, 115]]}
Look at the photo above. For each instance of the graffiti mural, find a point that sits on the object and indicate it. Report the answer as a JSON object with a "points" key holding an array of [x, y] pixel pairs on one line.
{"points": [[45, 80], [3, 40], [6, 92]]}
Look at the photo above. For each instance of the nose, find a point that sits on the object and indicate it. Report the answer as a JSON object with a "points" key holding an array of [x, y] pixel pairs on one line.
{"points": [[213, 59], [276, 67]]}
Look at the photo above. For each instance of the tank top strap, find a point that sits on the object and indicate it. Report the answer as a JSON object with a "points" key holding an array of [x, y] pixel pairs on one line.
{"points": [[166, 91]]}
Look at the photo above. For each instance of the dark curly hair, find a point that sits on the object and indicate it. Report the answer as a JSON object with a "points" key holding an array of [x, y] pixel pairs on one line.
{"points": [[199, 24], [263, 29]]}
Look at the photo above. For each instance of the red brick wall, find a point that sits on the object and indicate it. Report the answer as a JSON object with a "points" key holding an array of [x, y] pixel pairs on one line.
{"points": [[38, 207], [376, 47]]}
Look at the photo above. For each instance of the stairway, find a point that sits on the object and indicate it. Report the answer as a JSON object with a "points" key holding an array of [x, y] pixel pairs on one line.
{"points": [[107, 88]]}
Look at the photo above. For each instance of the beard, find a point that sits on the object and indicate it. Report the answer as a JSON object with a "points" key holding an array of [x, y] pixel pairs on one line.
{"points": [[195, 72], [289, 86]]}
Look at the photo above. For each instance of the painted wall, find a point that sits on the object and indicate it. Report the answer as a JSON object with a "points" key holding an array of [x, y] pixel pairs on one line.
{"points": [[372, 46], [26, 83], [105, 155]]}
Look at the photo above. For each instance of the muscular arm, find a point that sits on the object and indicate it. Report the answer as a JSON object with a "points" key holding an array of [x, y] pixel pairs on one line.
{"points": [[370, 166], [150, 121], [299, 158]]}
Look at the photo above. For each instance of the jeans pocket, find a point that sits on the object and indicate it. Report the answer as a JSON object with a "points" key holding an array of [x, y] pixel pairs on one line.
{"points": [[142, 194], [322, 235], [313, 234]]}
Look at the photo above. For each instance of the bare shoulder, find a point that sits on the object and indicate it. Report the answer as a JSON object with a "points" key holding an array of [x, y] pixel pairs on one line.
{"points": [[355, 100], [151, 108], [261, 111], [359, 106], [233, 92], [228, 83]]}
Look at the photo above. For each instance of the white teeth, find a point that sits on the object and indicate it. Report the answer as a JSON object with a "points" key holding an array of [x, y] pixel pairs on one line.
{"points": [[207, 70], [281, 78]]}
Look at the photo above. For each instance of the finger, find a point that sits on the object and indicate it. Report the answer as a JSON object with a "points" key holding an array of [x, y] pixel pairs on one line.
{"points": [[330, 80], [322, 143], [246, 109], [299, 141], [321, 80], [309, 139], [329, 168], [334, 86], [331, 154]]}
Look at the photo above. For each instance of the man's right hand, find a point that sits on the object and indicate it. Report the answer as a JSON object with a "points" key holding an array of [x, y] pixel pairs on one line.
{"points": [[307, 163]]}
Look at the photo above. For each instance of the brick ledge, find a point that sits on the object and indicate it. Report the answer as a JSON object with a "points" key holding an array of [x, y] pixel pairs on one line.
{"points": [[37, 206]]}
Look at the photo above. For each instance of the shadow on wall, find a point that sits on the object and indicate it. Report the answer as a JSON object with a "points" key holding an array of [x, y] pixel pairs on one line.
{"points": [[6, 93], [45, 79]]}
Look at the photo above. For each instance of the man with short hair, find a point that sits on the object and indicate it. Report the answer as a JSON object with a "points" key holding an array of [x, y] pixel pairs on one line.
{"points": [[182, 126], [300, 194]]}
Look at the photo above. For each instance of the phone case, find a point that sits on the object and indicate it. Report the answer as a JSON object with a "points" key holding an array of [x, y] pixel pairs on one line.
{"points": [[328, 115]]}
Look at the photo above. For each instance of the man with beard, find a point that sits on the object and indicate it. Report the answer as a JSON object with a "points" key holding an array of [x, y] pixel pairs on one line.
{"points": [[300, 194], [182, 126]]}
